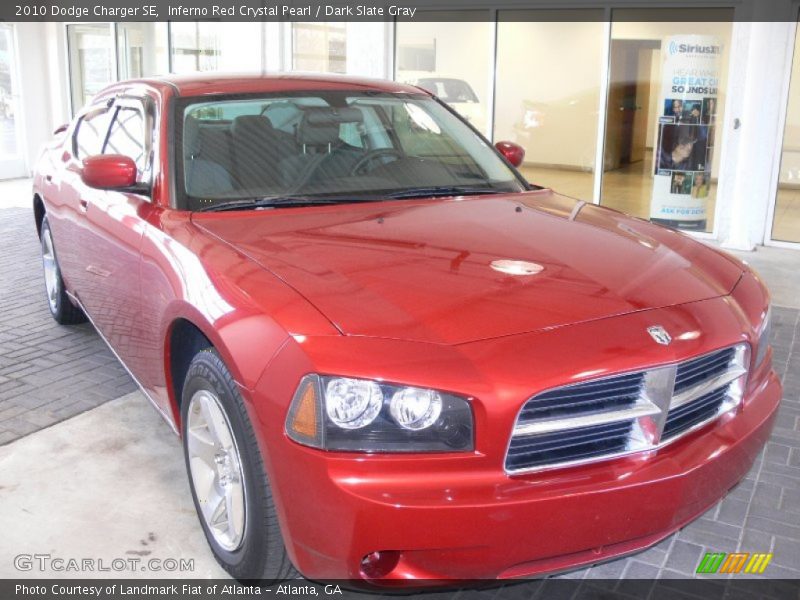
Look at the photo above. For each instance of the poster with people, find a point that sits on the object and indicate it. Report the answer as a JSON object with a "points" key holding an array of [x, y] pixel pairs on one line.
{"points": [[685, 134]]}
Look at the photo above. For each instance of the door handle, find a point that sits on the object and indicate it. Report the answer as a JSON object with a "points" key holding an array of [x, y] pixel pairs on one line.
{"points": [[84, 204], [49, 178]]}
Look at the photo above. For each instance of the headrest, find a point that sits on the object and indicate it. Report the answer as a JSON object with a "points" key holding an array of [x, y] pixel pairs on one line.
{"points": [[320, 126], [251, 125]]}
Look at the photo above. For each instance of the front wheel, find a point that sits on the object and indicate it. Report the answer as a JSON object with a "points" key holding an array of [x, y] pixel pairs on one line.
{"points": [[229, 484], [61, 307]]}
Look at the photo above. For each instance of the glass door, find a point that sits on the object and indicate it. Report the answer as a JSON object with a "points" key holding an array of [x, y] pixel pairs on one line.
{"points": [[550, 106], [666, 83], [786, 212], [12, 162]]}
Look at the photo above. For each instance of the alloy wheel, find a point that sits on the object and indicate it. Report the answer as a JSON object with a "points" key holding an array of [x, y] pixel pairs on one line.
{"points": [[50, 269], [216, 470]]}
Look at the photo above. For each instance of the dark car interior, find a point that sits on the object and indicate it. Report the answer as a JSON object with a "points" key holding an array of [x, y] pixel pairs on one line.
{"points": [[248, 154], [291, 148]]}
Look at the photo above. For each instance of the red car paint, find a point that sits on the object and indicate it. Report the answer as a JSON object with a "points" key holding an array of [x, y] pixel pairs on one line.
{"points": [[382, 290]]}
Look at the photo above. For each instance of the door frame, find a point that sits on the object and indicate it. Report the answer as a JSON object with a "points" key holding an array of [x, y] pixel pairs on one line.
{"points": [[603, 111], [778, 148]]}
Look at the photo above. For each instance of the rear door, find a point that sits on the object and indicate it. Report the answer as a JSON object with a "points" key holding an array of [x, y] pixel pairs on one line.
{"points": [[115, 229]]}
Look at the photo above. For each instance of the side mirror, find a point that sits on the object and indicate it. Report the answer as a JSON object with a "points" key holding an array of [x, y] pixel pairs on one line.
{"points": [[513, 153], [109, 172], [61, 128]]}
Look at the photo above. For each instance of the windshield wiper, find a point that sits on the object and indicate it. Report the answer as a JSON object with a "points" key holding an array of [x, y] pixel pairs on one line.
{"points": [[443, 190], [275, 201]]}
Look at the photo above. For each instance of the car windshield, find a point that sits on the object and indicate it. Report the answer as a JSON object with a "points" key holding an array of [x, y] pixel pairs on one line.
{"points": [[253, 152]]}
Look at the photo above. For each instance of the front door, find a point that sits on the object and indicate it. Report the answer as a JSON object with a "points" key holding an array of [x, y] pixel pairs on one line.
{"points": [[111, 294]]}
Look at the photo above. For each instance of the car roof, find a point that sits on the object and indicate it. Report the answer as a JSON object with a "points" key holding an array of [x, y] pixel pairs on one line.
{"points": [[198, 84]]}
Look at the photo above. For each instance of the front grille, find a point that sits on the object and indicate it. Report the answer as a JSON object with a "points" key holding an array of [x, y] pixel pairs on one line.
{"points": [[581, 443], [697, 370], [687, 416], [625, 413], [604, 394]]}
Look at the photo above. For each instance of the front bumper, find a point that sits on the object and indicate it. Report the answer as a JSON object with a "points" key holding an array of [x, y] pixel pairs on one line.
{"points": [[453, 525], [461, 516]]}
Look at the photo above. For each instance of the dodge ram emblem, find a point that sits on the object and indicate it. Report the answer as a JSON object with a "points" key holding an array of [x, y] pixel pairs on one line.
{"points": [[659, 334]]}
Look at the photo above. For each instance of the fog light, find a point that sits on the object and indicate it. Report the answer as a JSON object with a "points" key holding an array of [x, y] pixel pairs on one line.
{"points": [[379, 564]]}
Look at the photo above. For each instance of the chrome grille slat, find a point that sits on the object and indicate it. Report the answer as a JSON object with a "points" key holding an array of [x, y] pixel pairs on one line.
{"points": [[704, 367], [693, 393], [610, 395], [556, 441], [595, 441], [584, 420], [620, 414], [688, 415]]}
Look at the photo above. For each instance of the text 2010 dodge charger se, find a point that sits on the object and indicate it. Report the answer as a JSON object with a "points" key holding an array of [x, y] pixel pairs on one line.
{"points": [[388, 356]]}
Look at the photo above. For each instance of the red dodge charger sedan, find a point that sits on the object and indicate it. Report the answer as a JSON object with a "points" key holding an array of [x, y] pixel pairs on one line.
{"points": [[388, 355]]}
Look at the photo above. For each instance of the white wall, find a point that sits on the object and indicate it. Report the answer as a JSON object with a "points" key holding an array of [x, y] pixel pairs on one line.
{"points": [[43, 84]]}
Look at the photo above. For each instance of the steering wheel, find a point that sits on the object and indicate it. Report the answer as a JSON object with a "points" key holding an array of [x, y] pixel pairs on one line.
{"points": [[372, 156]]}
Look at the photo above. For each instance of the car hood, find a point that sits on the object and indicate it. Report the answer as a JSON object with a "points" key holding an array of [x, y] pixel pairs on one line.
{"points": [[427, 270]]}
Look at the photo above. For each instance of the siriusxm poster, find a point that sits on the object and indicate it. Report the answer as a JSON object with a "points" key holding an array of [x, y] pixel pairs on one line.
{"points": [[685, 135]]}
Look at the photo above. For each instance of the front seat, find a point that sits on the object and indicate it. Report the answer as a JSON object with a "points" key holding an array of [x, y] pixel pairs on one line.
{"points": [[203, 177], [258, 148], [323, 155]]}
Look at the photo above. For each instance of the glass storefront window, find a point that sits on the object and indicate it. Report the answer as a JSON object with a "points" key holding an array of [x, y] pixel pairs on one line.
{"points": [[12, 162], [548, 105], [320, 47], [141, 49], [215, 47], [786, 219], [666, 96], [433, 55], [91, 60], [8, 103]]}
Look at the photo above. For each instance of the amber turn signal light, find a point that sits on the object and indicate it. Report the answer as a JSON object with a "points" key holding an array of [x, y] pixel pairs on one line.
{"points": [[304, 422]]}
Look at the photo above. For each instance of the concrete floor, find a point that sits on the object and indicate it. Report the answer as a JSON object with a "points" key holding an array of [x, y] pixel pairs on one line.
{"points": [[107, 484]]}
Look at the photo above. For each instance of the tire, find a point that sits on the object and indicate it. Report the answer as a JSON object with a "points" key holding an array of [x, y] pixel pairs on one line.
{"points": [[60, 305], [258, 552]]}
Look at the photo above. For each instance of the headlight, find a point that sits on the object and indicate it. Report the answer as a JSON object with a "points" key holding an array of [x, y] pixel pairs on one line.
{"points": [[763, 337], [343, 413], [352, 403]]}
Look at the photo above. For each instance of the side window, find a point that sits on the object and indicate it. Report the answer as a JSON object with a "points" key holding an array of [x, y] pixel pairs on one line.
{"points": [[91, 133], [127, 136]]}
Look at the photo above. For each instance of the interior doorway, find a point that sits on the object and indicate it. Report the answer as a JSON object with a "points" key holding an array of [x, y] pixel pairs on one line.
{"points": [[628, 107]]}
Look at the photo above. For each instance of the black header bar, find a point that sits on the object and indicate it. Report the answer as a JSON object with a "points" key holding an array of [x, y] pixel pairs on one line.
{"points": [[391, 10]]}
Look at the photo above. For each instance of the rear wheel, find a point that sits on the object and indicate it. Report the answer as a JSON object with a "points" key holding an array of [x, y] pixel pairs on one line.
{"points": [[229, 484], [61, 307]]}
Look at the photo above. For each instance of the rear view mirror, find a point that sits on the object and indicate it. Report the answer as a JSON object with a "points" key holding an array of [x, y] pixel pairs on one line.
{"points": [[513, 153], [109, 172]]}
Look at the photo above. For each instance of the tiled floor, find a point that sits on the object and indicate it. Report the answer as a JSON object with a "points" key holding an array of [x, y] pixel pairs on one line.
{"points": [[50, 373]]}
